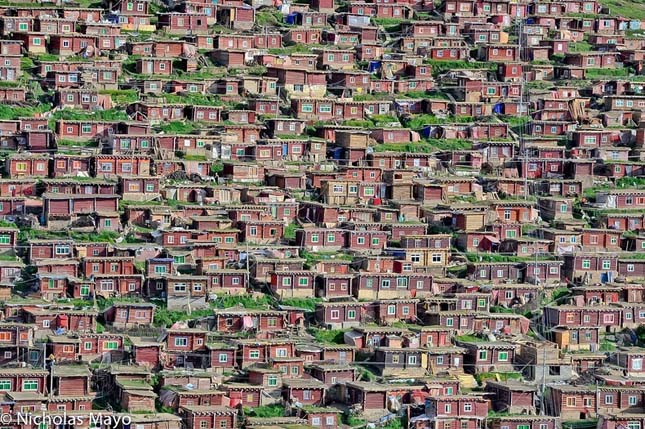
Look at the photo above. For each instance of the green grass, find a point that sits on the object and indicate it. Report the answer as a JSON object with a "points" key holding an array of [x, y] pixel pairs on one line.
{"points": [[632, 9], [425, 146], [83, 115], [471, 338], [269, 18], [178, 127], [328, 336], [503, 376], [297, 48], [493, 257], [417, 122], [306, 303], [100, 237], [290, 231], [265, 411], [607, 346], [14, 112], [86, 143], [196, 99], [353, 421], [245, 301], [618, 72], [559, 293], [439, 66], [121, 96], [580, 46]]}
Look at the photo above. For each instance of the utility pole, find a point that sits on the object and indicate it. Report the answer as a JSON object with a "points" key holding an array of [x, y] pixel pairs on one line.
{"points": [[543, 380]]}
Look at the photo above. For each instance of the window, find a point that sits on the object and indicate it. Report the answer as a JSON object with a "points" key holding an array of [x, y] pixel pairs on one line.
{"points": [[5, 384], [110, 345], [62, 250], [586, 264], [254, 354], [29, 385], [571, 401], [412, 360], [273, 380], [502, 356], [609, 399], [468, 407], [632, 400], [450, 322], [482, 355], [606, 264], [351, 314]]}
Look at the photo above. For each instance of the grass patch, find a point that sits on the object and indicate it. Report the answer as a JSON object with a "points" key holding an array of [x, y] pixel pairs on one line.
{"points": [[261, 303], [82, 115], [471, 338], [86, 143], [502, 376], [306, 303], [328, 336], [439, 66], [265, 411], [425, 146], [121, 96], [8, 112], [417, 122], [195, 99], [618, 72], [178, 127], [492, 257], [297, 48], [290, 231], [559, 293], [582, 46], [633, 9]]}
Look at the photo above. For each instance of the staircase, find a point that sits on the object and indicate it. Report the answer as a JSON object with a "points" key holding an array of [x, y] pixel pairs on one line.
{"points": [[467, 381]]}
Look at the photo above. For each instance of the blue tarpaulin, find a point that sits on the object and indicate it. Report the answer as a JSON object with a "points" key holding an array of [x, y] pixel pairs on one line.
{"points": [[374, 66], [291, 18]]}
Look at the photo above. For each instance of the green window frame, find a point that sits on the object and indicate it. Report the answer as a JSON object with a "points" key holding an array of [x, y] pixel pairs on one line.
{"points": [[5, 384], [29, 385]]}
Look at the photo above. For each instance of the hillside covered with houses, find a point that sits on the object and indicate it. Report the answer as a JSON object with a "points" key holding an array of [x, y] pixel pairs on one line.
{"points": [[287, 214]]}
